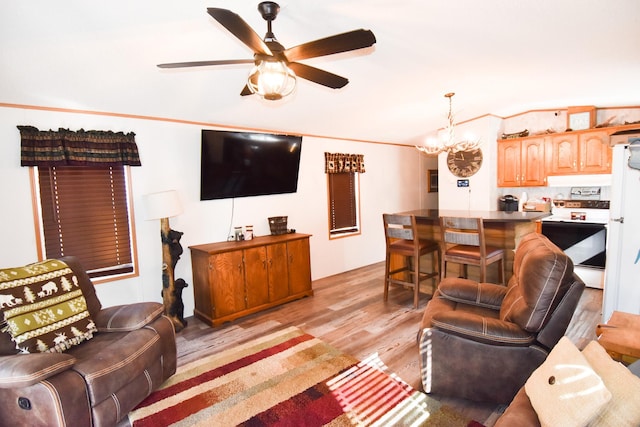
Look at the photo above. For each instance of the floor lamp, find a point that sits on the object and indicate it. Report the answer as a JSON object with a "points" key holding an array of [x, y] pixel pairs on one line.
{"points": [[162, 206]]}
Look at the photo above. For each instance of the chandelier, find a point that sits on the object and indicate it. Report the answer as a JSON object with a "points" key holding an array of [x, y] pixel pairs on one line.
{"points": [[446, 142]]}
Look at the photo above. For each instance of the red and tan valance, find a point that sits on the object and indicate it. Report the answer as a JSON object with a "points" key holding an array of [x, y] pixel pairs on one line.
{"points": [[343, 163], [82, 148]]}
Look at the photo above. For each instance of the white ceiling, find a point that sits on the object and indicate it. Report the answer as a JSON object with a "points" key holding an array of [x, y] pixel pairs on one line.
{"points": [[500, 57]]}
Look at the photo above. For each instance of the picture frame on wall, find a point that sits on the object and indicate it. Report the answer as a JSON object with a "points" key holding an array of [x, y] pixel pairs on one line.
{"points": [[432, 180], [581, 118]]}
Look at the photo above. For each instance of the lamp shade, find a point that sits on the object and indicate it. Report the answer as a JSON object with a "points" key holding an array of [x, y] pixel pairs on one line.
{"points": [[163, 204], [271, 80]]}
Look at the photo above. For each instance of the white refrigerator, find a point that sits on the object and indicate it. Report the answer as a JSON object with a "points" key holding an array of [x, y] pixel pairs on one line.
{"points": [[622, 271]]}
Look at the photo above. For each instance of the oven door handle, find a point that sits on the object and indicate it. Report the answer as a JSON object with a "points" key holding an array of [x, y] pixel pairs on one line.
{"points": [[577, 224]]}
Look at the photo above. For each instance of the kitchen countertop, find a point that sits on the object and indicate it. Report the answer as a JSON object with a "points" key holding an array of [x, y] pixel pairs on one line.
{"points": [[487, 216]]}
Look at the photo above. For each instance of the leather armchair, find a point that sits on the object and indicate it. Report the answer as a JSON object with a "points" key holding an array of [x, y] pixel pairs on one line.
{"points": [[481, 341], [95, 383]]}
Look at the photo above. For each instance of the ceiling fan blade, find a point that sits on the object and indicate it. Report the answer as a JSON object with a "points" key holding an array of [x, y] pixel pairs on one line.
{"points": [[317, 75], [204, 63], [239, 28], [352, 40]]}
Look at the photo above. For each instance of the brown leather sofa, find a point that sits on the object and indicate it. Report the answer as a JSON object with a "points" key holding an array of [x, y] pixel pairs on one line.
{"points": [[97, 382], [481, 341]]}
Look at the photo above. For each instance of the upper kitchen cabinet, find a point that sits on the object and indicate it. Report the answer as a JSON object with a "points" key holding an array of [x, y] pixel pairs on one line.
{"points": [[585, 152], [595, 152], [521, 162]]}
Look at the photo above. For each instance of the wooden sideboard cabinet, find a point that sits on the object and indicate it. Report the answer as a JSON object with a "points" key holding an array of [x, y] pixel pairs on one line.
{"points": [[234, 279]]}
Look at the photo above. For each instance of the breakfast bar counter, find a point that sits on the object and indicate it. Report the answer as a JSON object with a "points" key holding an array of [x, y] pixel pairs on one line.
{"points": [[501, 229], [430, 215]]}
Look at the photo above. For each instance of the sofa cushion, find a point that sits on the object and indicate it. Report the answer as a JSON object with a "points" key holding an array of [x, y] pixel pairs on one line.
{"points": [[43, 307], [565, 390], [624, 407], [542, 273], [112, 359]]}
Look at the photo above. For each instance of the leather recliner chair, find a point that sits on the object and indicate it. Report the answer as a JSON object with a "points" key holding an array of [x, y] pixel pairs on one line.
{"points": [[481, 341], [95, 383]]}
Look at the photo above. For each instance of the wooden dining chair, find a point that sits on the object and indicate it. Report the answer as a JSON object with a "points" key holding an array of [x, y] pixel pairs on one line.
{"points": [[401, 236], [463, 242]]}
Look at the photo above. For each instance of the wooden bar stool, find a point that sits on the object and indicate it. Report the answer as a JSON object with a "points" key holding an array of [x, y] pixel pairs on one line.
{"points": [[463, 243], [401, 236]]}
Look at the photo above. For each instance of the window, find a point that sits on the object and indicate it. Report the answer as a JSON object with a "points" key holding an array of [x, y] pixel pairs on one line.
{"points": [[344, 206], [81, 195], [85, 213], [343, 189]]}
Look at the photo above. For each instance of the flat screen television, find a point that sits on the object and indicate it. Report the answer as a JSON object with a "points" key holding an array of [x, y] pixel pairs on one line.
{"points": [[241, 164]]}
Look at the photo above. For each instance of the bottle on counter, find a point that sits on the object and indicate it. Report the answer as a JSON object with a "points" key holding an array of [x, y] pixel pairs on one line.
{"points": [[237, 234], [522, 201], [248, 232]]}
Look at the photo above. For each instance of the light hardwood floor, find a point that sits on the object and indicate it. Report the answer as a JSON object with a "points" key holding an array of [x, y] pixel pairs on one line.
{"points": [[348, 312]]}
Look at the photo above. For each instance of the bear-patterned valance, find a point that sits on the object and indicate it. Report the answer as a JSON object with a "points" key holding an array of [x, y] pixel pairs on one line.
{"points": [[77, 148], [343, 163]]}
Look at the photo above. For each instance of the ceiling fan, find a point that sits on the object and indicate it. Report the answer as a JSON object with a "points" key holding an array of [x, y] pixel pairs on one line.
{"points": [[276, 67]]}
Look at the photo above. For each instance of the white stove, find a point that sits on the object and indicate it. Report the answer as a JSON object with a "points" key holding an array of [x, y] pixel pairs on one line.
{"points": [[579, 211], [579, 228]]}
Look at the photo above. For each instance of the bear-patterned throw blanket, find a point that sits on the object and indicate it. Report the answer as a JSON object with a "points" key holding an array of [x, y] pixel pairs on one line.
{"points": [[43, 307]]}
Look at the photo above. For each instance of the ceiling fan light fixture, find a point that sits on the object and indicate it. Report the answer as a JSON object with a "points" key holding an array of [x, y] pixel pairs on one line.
{"points": [[271, 80]]}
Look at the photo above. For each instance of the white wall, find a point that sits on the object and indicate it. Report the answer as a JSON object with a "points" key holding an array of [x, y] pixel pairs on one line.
{"points": [[482, 192], [170, 154]]}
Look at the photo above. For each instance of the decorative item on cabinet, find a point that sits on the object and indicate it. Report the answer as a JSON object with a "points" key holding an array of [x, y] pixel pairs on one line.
{"points": [[234, 279], [521, 134], [278, 225], [581, 118]]}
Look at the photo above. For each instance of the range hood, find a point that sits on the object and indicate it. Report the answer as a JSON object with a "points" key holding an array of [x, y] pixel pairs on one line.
{"points": [[593, 180], [624, 136]]}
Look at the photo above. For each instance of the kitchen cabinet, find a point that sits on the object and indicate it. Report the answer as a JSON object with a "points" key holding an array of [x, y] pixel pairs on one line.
{"points": [[234, 279], [528, 161], [595, 152], [580, 153], [521, 162]]}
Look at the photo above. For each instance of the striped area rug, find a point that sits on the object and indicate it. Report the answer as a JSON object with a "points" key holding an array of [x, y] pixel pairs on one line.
{"points": [[289, 378]]}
